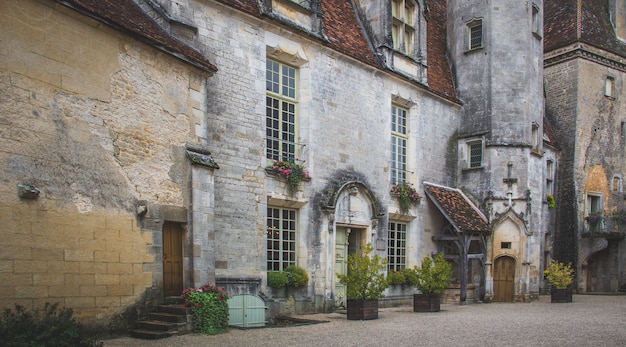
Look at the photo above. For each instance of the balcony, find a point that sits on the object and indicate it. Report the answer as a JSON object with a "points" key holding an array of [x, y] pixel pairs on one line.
{"points": [[607, 227]]}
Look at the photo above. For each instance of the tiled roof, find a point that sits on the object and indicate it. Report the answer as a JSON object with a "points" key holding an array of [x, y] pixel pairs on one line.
{"points": [[457, 208], [346, 35], [569, 21], [126, 16], [439, 73]]}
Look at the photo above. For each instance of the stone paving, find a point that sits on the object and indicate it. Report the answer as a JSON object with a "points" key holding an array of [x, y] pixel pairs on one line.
{"points": [[591, 320]]}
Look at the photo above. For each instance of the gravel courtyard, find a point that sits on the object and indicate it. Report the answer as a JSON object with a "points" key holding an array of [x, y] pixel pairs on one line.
{"points": [[591, 320]]}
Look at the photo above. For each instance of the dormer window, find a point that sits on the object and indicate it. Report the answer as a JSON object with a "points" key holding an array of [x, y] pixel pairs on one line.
{"points": [[403, 31]]}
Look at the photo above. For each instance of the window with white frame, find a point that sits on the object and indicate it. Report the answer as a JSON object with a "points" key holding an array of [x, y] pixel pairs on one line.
{"points": [[550, 177], [475, 34], [403, 27], [281, 238], [396, 246], [594, 203], [609, 86], [475, 154], [399, 139], [281, 111]]}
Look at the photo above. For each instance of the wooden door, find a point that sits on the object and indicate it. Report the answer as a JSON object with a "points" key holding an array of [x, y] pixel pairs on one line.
{"points": [[504, 279], [341, 265], [172, 259]]}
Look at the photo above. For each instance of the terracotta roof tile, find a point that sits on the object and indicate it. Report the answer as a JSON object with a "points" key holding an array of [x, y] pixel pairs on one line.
{"points": [[126, 16], [565, 22], [457, 208], [439, 73]]}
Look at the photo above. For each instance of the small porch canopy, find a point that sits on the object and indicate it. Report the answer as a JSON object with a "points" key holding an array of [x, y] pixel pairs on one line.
{"points": [[466, 230]]}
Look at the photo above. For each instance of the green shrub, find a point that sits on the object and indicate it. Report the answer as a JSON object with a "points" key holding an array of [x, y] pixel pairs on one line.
{"points": [[297, 276], [365, 278], [433, 276], [47, 327], [560, 275], [277, 279], [209, 305], [396, 277]]}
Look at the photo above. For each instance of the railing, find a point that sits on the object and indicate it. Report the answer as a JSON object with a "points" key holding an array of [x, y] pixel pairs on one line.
{"points": [[605, 227]]}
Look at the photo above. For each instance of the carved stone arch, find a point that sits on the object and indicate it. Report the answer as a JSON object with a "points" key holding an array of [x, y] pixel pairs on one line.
{"points": [[350, 186]]}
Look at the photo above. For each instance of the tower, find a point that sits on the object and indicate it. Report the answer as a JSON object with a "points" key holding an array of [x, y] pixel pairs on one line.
{"points": [[496, 54]]}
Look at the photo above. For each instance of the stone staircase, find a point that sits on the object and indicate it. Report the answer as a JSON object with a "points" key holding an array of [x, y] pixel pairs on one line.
{"points": [[166, 320]]}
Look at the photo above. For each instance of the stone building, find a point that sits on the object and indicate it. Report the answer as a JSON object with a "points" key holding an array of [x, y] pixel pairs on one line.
{"points": [[139, 138], [585, 56]]}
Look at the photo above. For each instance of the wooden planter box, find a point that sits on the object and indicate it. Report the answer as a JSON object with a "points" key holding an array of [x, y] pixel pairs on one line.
{"points": [[362, 309], [426, 303], [560, 295]]}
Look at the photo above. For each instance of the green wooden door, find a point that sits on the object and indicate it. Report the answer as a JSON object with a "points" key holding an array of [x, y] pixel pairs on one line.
{"points": [[341, 266]]}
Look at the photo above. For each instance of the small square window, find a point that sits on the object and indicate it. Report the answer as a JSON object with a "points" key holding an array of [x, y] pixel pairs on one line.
{"points": [[505, 245]]}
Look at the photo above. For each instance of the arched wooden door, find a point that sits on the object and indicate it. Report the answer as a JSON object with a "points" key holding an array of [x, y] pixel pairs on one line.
{"points": [[504, 279]]}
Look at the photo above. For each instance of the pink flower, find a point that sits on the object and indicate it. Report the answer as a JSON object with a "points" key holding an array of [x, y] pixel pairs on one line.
{"points": [[197, 304]]}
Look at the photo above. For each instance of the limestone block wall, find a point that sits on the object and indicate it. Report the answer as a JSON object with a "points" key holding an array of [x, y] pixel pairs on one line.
{"points": [[97, 122]]}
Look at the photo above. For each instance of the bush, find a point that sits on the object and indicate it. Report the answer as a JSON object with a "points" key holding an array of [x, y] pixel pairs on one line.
{"points": [[559, 274], [209, 305], [277, 279], [297, 276], [396, 277], [365, 278], [433, 276], [42, 328]]}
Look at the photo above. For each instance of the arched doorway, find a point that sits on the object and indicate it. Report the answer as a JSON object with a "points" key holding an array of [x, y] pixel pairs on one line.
{"points": [[504, 279]]}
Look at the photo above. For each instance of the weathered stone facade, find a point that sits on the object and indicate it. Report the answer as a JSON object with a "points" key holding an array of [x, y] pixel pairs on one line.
{"points": [[97, 122], [122, 146], [584, 89]]}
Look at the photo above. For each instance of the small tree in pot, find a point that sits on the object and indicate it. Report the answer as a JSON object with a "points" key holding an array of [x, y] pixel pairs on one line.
{"points": [[431, 279], [560, 276], [365, 283]]}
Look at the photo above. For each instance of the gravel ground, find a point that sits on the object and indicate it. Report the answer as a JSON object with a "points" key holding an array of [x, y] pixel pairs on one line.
{"points": [[591, 320]]}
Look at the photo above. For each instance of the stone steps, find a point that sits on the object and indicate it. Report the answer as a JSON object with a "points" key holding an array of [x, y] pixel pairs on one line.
{"points": [[166, 321]]}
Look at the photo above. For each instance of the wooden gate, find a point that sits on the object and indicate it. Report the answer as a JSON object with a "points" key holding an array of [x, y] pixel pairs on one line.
{"points": [[504, 279], [172, 259]]}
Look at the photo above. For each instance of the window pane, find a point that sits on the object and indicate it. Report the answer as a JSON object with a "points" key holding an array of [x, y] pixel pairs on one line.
{"points": [[280, 111], [396, 246], [476, 154], [476, 35], [282, 250]]}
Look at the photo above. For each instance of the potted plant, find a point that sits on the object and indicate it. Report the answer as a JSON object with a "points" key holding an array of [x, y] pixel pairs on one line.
{"points": [[560, 277], [431, 279], [365, 283], [406, 194], [294, 173]]}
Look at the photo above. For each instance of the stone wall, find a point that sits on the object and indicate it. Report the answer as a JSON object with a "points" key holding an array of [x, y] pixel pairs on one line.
{"points": [[97, 122]]}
